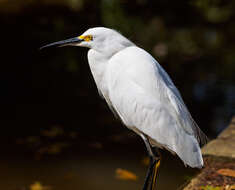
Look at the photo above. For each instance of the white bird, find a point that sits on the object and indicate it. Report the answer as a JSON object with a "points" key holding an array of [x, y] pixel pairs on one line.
{"points": [[140, 92]]}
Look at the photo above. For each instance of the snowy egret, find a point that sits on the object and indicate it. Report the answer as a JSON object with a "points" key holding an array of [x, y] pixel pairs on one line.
{"points": [[140, 93]]}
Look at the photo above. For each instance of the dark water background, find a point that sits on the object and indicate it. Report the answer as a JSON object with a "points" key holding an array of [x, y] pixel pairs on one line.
{"points": [[54, 127]]}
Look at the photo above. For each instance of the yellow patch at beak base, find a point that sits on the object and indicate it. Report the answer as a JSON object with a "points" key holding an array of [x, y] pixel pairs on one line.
{"points": [[86, 38]]}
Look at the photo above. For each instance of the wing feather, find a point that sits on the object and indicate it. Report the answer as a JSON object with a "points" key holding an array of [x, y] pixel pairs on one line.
{"points": [[184, 116], [146, 100]]}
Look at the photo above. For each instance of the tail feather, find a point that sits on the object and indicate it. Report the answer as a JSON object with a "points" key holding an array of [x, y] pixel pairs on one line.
{"points": [[189, 151]]}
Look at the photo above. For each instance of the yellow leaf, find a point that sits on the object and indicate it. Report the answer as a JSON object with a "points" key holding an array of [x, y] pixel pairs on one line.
{"points": [[125, 175], [38, 186], [227, 172]]}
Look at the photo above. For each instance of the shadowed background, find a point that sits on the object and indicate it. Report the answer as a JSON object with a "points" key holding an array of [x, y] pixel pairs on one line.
{"points": [[55, 130]]}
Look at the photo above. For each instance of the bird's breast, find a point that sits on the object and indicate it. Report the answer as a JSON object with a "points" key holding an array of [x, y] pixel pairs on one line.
{"points": [[98, 64]]}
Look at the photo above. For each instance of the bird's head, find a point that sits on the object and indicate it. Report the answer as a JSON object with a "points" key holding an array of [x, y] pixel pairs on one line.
{"points": [[99, 38]]}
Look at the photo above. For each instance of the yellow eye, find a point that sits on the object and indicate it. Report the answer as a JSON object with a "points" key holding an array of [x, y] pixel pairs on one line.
{"points": [[88, 38]]}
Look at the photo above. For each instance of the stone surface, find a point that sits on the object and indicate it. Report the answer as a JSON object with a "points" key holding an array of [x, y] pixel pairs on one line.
{"points": [[224, 144], [218, 154], [211, 175]]}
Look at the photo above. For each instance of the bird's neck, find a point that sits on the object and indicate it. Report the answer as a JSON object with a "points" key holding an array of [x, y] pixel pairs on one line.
{"points": [[98, 63]]}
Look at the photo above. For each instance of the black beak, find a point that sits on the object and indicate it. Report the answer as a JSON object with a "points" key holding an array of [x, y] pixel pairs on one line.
{"points": [[61, 43]]}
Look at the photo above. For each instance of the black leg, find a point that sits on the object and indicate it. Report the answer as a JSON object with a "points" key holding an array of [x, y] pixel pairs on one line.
{"points": [[153, 165], [149, 173], [154, 173]]}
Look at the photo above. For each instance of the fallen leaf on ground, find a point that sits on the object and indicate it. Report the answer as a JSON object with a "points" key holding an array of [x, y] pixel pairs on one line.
{"points": [[38, 186], [227, 172], [125, 175]]}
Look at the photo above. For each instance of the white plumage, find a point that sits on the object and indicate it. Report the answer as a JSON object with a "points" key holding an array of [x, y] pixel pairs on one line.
{"points": [[141, 93], [144, 97]]}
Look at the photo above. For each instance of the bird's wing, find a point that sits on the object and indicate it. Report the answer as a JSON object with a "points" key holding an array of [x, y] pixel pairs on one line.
{"points": [[110, 105], [145, 98], [175, 99]]}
